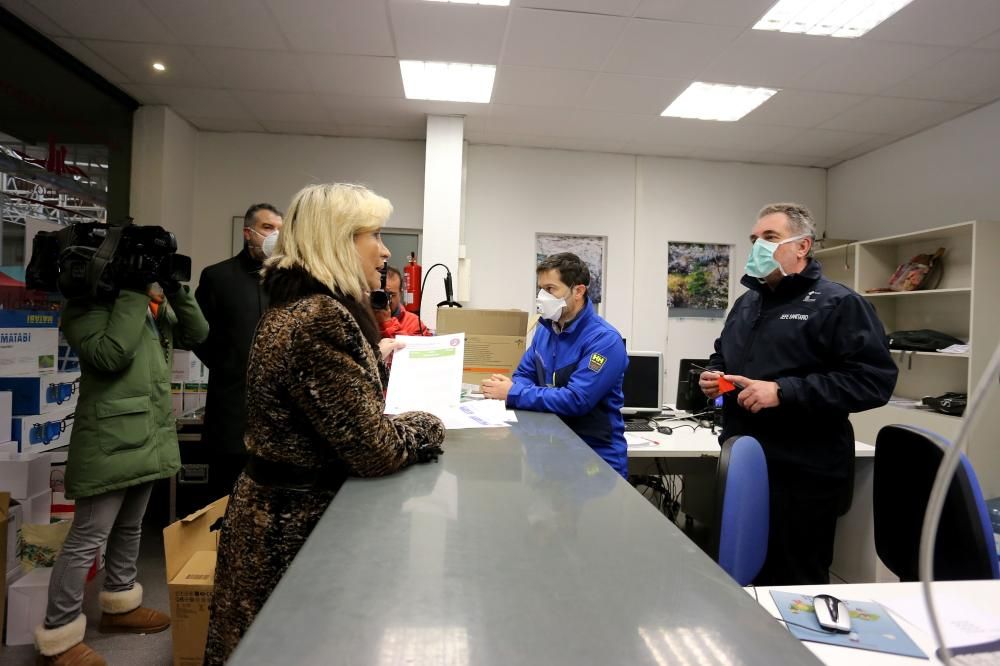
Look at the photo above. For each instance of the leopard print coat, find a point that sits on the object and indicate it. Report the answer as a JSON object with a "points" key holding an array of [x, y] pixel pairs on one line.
{"points": [[315, 399]]}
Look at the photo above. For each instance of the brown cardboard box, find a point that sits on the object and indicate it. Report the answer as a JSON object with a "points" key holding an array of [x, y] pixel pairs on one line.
{"points": [[494, 339], [190, 547], [4, 503]]}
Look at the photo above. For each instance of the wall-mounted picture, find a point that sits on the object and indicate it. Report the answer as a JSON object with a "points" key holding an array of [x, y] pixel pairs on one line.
{"points": [[697, 280], [591, 249]]}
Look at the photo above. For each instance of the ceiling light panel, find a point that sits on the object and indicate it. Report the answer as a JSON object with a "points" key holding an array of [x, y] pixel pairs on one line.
{"points": [[833, 18], [447, 81], [716, 101]]}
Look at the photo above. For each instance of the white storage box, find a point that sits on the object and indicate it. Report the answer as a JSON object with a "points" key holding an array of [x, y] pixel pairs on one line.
{"points": [[8, 447], [6, 412], [29, 341], [38, 508], [188, 368], [41, 393], [26, 600], [15, 518], [24, 475], [40, 432]]}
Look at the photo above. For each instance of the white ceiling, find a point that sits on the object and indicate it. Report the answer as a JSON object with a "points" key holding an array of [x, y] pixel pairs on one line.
{"points": [[578, 74]]}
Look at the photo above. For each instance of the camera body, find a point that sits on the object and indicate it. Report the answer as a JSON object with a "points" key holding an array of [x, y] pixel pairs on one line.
{"points": [[95, 259]]}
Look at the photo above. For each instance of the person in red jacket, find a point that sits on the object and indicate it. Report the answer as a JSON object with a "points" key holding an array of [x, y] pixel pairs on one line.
{"points": [[397, 320]]}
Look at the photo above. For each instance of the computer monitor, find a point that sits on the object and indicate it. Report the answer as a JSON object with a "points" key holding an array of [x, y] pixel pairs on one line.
{"points": [[643, 384], [689, 395]]}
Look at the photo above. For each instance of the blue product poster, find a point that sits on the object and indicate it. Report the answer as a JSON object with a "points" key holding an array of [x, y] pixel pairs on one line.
{"points": [[871, 626]]}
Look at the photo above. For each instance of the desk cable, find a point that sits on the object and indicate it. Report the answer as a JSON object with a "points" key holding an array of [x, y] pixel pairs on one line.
{"points": [[935, 503]]}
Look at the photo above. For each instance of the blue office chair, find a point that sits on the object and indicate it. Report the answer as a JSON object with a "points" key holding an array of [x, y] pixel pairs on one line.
{"points": [[739, 539], [906, 462]]}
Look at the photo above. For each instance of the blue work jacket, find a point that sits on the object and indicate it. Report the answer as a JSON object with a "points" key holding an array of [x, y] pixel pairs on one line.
{"points": [[577, 375]]}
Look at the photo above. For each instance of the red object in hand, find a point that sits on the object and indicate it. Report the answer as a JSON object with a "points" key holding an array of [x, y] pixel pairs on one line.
{"points": [[725, 386]]}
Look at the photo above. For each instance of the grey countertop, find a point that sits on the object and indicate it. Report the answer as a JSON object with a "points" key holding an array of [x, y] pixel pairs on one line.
{"points": [[520, 546]]}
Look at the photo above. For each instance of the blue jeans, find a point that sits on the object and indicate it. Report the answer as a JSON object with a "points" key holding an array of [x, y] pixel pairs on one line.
{"points": [[114, 518]]}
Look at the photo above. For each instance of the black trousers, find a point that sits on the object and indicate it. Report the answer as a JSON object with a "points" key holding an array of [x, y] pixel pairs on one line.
{"points": [[803, 523], [223, 471]]}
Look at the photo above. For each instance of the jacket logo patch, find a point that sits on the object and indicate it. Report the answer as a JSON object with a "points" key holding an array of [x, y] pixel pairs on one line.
{"points": [[809, 297], [799, 317], [597, 362]]}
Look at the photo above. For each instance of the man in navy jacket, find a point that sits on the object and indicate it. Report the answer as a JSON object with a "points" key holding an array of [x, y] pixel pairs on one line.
{"points": [[575, 364], [806, 352]]}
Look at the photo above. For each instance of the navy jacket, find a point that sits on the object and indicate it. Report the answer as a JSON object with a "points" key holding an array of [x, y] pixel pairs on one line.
{"points": [[826, 348], [233, 301], [577, 375]]}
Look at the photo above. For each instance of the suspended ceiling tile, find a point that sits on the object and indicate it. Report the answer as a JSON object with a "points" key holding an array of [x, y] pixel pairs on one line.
{"points": [[560, 39], [669, 50], [447, 32], [358, 27], [540, 86], [632, 94]]}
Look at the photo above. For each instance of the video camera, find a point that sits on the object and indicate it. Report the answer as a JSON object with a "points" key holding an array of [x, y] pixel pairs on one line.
{"points": [[380, 297], [95, 259]]}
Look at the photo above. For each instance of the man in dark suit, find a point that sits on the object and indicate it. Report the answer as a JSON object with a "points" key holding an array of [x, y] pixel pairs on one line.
{"points": [[232, 300]]}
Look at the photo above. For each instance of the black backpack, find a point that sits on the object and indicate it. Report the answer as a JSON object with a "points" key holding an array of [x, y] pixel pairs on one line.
{"points": [[923, 339]]}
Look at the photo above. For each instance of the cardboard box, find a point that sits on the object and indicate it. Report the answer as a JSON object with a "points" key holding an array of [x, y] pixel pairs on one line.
{"points": [[40, 394], [24, 475], [39, 432], [29, 341], [494, 339], [188, 368], [190, 547], [26, 600]]}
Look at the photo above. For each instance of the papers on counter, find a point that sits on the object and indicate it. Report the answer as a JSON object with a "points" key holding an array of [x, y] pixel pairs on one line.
{"points": [[427, 376]]}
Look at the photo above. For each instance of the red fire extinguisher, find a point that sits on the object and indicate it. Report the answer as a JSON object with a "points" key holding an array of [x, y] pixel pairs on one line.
{"points": [[411, 284]]}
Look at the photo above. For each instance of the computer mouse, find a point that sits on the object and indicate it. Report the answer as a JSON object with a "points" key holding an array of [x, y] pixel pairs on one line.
{"points": [[832, 613], [664, 430]]}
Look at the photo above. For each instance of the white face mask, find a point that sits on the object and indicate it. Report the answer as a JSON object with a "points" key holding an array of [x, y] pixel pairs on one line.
{"points": [[270, 242], [548, 306]]}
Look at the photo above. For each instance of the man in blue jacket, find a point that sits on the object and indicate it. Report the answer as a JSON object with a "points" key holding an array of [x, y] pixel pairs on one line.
{"points": [[575, 364], [805, 352]]}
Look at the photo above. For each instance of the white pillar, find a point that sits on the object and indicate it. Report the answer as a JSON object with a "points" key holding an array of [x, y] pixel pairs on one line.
{"points": [[442, 208]]}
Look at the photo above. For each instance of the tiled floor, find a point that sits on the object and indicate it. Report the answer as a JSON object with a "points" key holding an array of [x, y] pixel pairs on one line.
{"points": [[118, 649]]}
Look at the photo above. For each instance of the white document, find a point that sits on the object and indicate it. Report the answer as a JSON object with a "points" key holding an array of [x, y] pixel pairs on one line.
{"points": [[426, 375], [963, 622]]}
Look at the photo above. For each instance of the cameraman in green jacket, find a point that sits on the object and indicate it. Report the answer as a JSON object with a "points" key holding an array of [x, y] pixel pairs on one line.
{"points": [[124, 439]]}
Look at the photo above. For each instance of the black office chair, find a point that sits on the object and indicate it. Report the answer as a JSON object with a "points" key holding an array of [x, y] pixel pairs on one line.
{"points": [[742, 506], [906, 462]]}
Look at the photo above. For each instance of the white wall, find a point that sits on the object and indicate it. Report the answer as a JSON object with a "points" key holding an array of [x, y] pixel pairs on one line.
{"points": [[640, 204], [163, 167], [703, 202], [512, 193], [237, 170], [944, 175]]}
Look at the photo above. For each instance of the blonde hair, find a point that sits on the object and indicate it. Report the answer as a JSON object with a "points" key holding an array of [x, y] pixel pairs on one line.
{"points": [[318, 234]]}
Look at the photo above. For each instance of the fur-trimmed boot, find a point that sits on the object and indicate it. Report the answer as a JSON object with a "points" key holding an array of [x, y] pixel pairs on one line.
{"points": [[64, 646], [123, 614]]}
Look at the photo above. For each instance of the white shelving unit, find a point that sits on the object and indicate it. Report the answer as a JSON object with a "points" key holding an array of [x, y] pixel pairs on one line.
{"points": [[966, 304]]}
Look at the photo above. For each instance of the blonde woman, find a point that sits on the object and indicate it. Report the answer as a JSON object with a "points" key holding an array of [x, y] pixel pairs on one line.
{"points": [[316, 383]]}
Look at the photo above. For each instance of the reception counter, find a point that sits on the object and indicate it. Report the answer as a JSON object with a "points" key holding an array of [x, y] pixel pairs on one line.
{"points": [[520, 546]]}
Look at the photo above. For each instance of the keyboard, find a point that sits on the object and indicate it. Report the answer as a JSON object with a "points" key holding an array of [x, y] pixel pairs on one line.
{"points": [[638, 426]]}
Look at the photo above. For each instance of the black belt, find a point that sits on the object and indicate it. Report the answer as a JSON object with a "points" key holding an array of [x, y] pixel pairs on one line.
{"points": [[294, 477]]}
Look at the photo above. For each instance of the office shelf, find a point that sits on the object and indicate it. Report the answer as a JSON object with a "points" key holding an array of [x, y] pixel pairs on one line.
{"points": [[964, 305]]}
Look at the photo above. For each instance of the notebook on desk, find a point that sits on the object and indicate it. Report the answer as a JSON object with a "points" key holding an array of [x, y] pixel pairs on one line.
{"points": [[872, 628]]}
